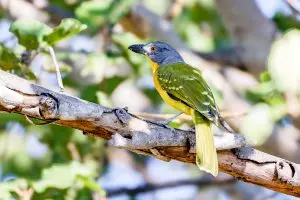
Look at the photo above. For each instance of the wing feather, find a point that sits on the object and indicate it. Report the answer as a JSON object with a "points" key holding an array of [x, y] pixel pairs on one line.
{"points": [[186, 83]]}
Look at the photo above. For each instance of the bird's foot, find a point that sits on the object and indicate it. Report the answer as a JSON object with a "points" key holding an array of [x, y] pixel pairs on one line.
{"points": [[169, 120], [166, 122]]}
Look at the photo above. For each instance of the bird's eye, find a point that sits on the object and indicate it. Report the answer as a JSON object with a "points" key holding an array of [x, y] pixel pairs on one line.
{"points": [[152, 49]]}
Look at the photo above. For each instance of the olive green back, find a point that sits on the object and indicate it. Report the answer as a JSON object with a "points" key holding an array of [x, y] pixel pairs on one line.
{"points": [[185, 83]]}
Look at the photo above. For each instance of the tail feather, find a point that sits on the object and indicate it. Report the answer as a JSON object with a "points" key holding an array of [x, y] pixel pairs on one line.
{"points": [[206, 153]]}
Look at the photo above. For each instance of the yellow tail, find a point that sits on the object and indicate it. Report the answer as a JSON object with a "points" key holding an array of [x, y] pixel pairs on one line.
{"points": [[206, 153]]}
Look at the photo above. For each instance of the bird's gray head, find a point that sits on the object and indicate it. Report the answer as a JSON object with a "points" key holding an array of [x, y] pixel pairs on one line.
{"points": [[159, 52]]}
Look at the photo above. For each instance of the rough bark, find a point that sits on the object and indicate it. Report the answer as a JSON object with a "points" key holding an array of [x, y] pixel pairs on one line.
{"points": [[128, 131]]}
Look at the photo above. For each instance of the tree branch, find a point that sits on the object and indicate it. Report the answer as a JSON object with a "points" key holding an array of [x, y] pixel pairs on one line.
{"points": [[202, 182], [130, 132]]}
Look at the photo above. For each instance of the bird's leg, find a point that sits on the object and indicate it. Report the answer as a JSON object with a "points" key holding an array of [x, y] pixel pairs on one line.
{"points": [[167, 121]]}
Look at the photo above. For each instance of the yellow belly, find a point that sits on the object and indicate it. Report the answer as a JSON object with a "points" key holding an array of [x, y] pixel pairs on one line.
{"points": [[164, 95]]}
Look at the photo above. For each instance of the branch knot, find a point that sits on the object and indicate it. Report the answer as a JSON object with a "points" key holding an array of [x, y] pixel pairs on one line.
{"points": [[122, 114], [48, 106]]}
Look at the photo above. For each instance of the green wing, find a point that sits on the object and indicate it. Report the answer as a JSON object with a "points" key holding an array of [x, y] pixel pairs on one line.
{"points": [[185, 83]]}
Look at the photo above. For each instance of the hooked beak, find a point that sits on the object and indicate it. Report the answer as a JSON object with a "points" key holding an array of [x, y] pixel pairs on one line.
{"points": [[137, 48]]}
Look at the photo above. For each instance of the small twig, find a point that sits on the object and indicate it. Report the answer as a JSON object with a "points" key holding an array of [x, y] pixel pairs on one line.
{"points": [[151, 187], [58, 75]]}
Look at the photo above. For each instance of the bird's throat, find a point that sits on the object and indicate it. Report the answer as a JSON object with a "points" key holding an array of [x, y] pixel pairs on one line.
{"points": [[153, 65]]}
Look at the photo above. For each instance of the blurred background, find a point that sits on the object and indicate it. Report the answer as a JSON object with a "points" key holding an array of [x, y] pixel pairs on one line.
{"points": [[249, 54]]}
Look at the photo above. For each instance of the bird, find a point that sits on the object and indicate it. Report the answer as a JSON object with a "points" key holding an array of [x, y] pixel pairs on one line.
{"points": [[182, 86]]}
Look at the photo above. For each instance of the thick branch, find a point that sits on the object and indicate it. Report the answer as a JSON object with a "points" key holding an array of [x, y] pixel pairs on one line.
{"points": [[20, 96]]}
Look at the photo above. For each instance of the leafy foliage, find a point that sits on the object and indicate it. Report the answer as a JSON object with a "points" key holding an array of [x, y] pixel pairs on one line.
{"points": [[65, 29], [62, 176], [98, 13], [57, 178], [260, 117], [30, 33], [285, 52], [34, 34], [285, 23], [8, 59]]}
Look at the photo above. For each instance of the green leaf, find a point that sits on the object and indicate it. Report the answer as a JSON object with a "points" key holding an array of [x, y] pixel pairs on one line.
{"points": [[118, 9], [98, 13], [68, 27], [285, 22], [8, 60], [103, 99], [265, 77], [197, 39], [30, 33], [260, 117], [124, 40], [96, 65], [265, 92], [283, 62], [91, 184], [109, 84], [62, 176], [93, 13]]}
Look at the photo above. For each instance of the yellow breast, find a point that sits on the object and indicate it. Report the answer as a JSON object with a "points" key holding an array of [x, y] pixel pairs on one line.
{"points": [[153, 65], [164, 95]]}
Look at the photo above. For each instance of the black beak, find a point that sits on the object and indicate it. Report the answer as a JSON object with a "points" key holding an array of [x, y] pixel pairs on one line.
{"points": [[137, 48]]}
